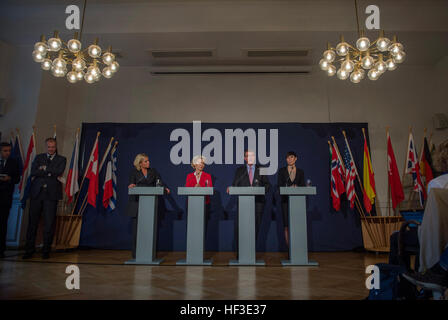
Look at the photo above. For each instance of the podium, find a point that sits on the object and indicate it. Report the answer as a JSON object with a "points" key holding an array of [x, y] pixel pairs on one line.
{"points": [[298, 241], [195, 224], [246, 225], [146, 225]]}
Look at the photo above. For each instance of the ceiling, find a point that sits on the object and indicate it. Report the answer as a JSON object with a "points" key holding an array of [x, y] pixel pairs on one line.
{"points": [[229, 28]]}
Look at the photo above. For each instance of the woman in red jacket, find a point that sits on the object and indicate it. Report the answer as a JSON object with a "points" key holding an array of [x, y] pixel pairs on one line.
{"points": [[199, 178]]}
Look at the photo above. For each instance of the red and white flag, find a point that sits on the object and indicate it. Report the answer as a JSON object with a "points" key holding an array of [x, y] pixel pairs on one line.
{"points": [[337, 186], [92, 175], [72, 187], [396, 189], [25, 183]]}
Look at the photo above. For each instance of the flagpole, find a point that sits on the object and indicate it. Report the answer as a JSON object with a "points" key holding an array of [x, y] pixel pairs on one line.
{"points": [[54, 131], [406, 163], [85, 173], [387, 170], [20, 144], [84, 203], [35, 135]]}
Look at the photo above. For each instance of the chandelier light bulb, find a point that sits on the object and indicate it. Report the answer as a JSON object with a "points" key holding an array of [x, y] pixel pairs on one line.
{"points": [[80, 75], [94, 71], [331, 70], [381, 66], [367, 62], [107, 73], [399, 57], [383, 44], [342, 74], [54, 44], [391, 65], [342, 49], [114, 66], [355, 77], [58, 72], [348, 65], [373, 74], [41, 47], [37, 56], [363, 44], [324, 64], [395, 48], [94, 51], [78, 64], [71, 77], [74, 45], [108, 58], [329, 55], [89, 78], [59, 63], [362, 73], [46, 64]]}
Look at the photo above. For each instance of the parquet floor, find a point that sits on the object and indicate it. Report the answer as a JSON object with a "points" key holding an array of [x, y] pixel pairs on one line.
{"points": [[341, 275]]}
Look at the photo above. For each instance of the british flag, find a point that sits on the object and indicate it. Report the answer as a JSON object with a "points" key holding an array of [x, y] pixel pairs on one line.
{"points": [[413, 168], [350, 176]]}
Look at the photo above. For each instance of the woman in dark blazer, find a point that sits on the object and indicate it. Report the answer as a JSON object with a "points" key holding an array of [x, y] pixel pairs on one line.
{"points": [[142, 175], [289, 176]]}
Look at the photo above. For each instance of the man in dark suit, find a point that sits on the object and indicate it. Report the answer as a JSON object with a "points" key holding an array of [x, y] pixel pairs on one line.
{"points": [[249, 175], [46, 191], [9, 176], [289, 176]]}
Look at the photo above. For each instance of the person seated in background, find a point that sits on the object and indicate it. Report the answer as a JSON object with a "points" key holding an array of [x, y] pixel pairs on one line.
{"points": [[142, 175], [289, 176]]}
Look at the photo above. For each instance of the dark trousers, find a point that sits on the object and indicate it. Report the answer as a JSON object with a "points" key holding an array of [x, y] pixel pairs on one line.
{"points": [[4, 214], [41, 206], [410, 240]]}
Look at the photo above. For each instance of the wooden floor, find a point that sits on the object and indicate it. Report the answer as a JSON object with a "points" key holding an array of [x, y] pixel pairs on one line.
{"points": [[341, 275]]}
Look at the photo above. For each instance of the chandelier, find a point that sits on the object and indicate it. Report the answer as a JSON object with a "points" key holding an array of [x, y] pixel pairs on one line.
{"points": [[58, 56], [373, 58]]}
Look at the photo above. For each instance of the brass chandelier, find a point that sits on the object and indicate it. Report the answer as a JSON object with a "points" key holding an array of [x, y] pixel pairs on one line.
{"points": [[56, 55], [373, 58]]}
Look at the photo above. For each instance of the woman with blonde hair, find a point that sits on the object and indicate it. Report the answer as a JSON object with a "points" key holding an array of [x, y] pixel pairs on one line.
{"points": [[142, 175]]}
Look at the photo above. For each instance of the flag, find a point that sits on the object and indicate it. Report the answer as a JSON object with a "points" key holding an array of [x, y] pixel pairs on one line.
{"points": [[368, 179], [396, 189], [350, 176], [413, 168], [110, 183], [337, 186], [92, 175], [25, 182], [426, 163], [16, 153], [72, 187]]}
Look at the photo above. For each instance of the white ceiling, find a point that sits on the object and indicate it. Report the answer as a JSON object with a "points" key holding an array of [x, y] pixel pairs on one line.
{"points": [[229, 27]]}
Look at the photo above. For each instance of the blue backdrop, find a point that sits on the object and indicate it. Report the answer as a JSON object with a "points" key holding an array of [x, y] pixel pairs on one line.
{"points": [[327, 230]]}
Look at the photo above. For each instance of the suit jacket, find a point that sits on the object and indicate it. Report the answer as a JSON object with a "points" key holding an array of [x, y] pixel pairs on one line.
{"points": [[241, 179], [284, 180], [138, 178], [7, 187], [204, 181], [48, 178]]}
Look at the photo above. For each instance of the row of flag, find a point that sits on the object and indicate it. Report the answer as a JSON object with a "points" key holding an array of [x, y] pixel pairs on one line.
{"points": [[72, 186], [344, 173]]}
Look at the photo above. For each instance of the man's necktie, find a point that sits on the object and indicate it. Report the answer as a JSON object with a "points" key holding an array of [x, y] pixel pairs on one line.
{"points": [[251, 175]]}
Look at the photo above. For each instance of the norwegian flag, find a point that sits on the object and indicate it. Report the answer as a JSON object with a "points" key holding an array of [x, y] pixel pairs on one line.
{"points": [[413, 167], [337, 186], [92, 175], [72, 187], [350, 176], [110, 183], [25, 183]]}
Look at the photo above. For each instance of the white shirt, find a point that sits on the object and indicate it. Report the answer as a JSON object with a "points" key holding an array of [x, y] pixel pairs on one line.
{"points": [[441, 182], [198, 176]]}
